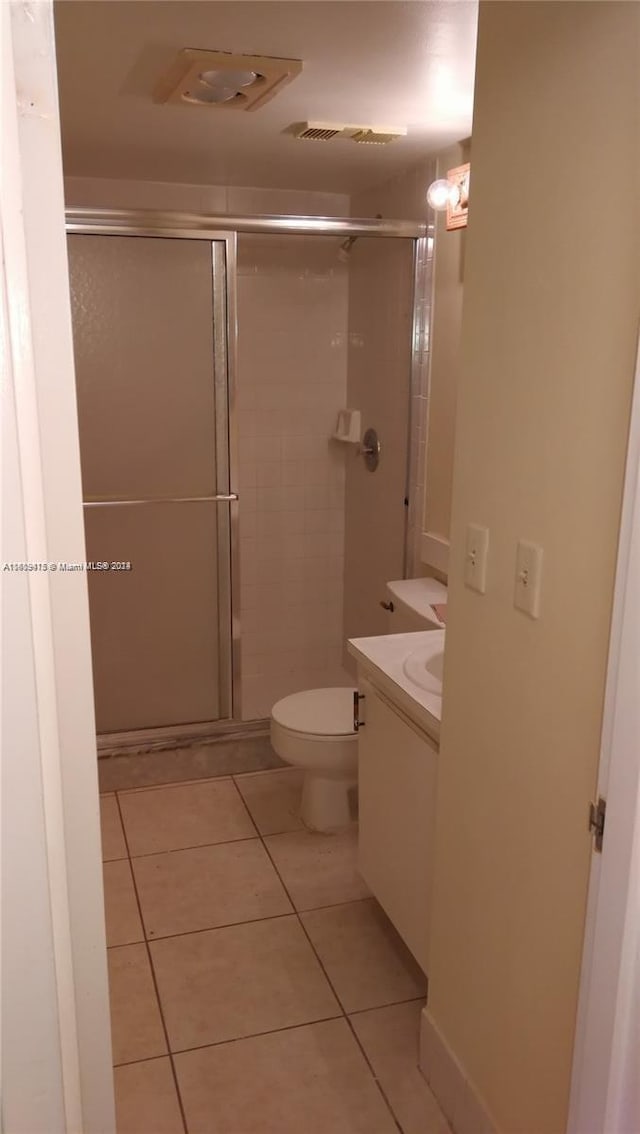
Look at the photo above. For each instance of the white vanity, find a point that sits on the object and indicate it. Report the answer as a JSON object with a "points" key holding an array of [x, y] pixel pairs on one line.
{"points": [[398, 716]]}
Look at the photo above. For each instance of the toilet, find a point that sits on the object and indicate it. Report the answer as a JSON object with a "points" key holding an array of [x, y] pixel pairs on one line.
{"points": [[410, 605], [314, 730]]}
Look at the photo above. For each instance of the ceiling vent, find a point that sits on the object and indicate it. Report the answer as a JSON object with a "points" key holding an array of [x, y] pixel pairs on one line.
{"points": [[220, 79], [316, 131], [327, 131], [377, 136]]}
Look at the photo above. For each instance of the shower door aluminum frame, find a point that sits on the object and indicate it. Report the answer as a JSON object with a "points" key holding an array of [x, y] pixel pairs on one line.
{"points": [[420, 374], [224, 321], [222, 230]]}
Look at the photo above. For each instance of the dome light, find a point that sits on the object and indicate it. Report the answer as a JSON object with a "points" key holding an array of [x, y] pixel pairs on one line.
{"points": [[228, 79], [443, 193], [206, 94]]}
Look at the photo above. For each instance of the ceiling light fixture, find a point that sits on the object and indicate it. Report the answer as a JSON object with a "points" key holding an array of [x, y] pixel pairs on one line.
{"points": [[236, 79], [207, 95], [218, 78], [220, 86]]}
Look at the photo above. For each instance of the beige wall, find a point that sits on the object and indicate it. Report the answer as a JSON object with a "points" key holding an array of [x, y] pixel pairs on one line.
{"points": [[446, 334], [105, 193], [552, 297]]}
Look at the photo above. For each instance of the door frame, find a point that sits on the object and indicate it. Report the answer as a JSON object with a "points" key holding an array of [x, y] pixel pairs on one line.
{"points": [[55, 636], [604, 1090], [57, 1073]]}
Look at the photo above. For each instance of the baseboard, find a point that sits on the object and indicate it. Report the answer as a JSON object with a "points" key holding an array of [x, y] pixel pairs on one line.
{"points": [[232, 756], [457, 1096], [177, 736]]}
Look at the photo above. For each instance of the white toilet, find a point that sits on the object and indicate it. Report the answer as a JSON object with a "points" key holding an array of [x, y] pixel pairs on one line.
{"points": [[314, 730]]}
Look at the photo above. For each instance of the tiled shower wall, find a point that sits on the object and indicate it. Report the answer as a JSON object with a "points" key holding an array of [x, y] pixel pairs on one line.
{"points": [[292, 380], [383, 387], [404, 196]]}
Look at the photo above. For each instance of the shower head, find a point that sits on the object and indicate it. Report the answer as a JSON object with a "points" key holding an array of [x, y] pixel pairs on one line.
{"points": [[345, 248]]}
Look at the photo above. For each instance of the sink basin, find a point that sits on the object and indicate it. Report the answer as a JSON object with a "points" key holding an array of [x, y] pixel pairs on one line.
{"points": [[424, 667]]}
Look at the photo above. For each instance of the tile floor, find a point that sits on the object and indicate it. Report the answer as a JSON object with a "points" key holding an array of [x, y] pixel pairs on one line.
{"points": [[256, 987]]}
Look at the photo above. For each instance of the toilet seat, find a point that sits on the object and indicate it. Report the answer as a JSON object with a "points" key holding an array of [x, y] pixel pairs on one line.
{"points": [[320, 714]]}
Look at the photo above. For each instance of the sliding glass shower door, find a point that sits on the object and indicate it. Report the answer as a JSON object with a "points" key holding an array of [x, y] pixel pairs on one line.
{"points": [[149, 323]]}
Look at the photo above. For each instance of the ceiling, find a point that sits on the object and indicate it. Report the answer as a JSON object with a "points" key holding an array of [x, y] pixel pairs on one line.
{"points": [[389, 63]]}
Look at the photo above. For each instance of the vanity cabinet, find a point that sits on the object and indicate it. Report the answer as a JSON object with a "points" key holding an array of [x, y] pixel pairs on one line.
{"points": [[397, 778]]}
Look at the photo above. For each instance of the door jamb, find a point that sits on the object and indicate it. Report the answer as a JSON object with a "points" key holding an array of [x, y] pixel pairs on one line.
{"points": [[607, 1048]]}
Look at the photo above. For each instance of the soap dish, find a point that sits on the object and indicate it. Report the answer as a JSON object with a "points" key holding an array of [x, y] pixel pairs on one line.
{"points": [[348, 426]]}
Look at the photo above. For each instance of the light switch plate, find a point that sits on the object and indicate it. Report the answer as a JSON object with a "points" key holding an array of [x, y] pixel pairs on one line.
{"points": [[528, 578], [476, 555]]}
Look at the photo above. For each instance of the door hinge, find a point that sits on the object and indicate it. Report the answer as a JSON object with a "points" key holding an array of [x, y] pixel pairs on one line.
{"points": [[597, 816]]}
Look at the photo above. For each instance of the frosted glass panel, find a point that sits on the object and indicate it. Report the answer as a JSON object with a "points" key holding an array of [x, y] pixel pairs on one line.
{"points": [[143, 340], [144, 346], [154, 628]]}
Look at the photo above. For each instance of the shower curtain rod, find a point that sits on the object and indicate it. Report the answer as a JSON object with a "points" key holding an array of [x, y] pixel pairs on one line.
{"points": [[151, 222]]}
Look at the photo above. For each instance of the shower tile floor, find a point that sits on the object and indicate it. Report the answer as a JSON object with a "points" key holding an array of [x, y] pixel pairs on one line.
{"points": [[256, 986]]}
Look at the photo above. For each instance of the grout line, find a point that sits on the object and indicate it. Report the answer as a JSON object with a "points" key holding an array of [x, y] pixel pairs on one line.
{"points": [[225, 842], [240, 1039], [195, 846], [223, 778], [391, 1004], [335, 993], [252, 920], [262, 771], [148, 1059], [153, 978], [248, 813], [268, 1032], [335, 905], [343, 1014], [375, 1077], [211, 928]]}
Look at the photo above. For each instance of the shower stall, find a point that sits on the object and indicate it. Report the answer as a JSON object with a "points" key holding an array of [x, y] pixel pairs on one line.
{"points": [[212, 356]]}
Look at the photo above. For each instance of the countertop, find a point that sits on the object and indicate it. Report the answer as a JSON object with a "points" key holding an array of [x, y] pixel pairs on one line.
{"points": [[382, 657]]}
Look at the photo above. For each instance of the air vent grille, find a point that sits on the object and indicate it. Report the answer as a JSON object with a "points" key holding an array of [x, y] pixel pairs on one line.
{"points": [[316, 131], [319, 133], [327, 131], [372, 137]]}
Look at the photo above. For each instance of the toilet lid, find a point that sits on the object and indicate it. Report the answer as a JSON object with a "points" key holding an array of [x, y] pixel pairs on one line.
{"points": [[319, 712]]}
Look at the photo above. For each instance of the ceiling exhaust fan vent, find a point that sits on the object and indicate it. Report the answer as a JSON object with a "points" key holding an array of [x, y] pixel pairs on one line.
{"points": [[327, 131], [317, 131], [372, 136], [220, 80]]}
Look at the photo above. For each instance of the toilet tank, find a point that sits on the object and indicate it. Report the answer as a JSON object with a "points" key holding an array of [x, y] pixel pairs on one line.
{"points": [[409, 605]]}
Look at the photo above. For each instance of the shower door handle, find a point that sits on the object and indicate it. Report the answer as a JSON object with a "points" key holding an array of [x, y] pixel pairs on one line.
{"points": [[226, 497]]}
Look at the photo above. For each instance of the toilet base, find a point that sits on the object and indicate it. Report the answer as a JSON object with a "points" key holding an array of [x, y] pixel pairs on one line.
{"points": [[325, 802]]}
